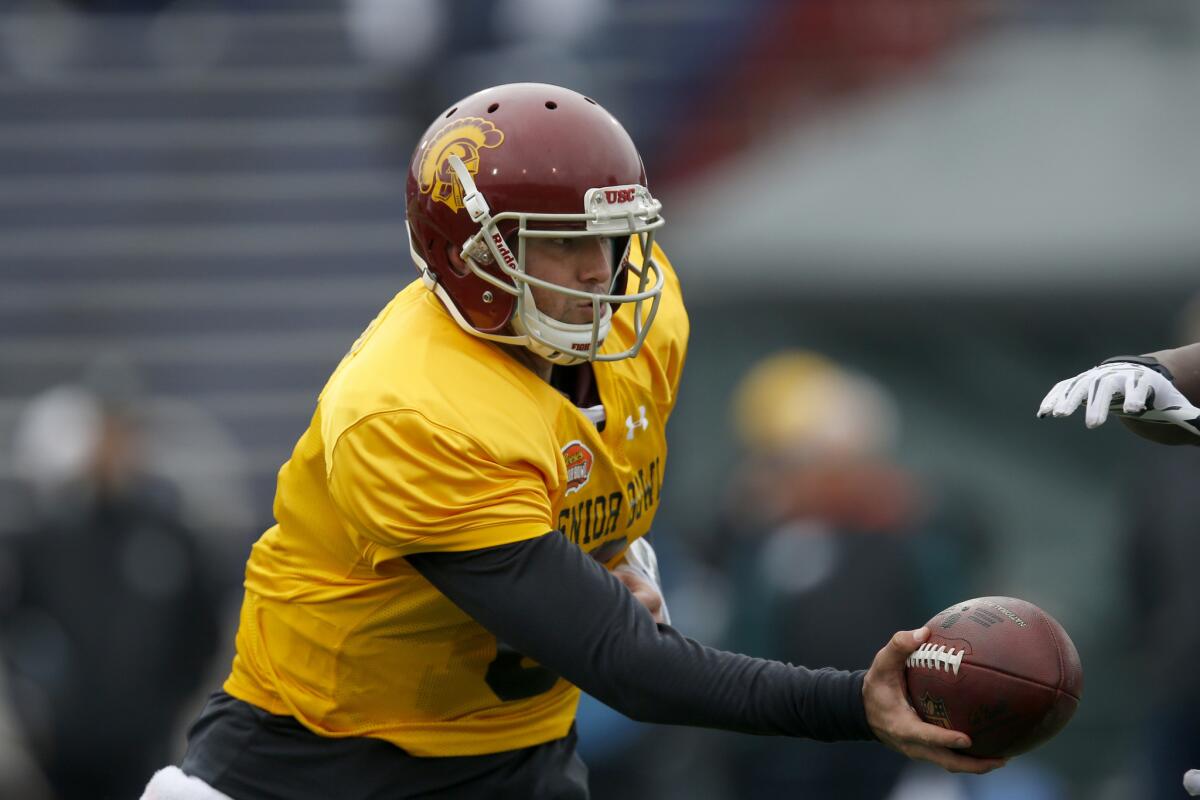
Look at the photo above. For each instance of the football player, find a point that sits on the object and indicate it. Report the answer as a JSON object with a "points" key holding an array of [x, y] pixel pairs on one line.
{"points": [[440, 582], [1156, 395]]}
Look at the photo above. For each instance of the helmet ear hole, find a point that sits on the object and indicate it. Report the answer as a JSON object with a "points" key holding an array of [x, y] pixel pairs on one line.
{"points": [[455, 261]]}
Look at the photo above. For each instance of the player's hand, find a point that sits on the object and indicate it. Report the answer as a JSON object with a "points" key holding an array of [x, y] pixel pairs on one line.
{"points": [[639, 572], [643, 590], [1191, 781], [1133, 390], [898, 726]]}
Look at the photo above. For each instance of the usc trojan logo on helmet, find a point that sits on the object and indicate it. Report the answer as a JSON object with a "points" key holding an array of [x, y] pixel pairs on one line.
{"points": [[462, 138]]}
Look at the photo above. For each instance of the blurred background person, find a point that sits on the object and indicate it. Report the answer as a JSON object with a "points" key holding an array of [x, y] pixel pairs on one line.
{"points": [[819, 539], [20, 775], [1161, 550], [110, 612], [1161, 545]]}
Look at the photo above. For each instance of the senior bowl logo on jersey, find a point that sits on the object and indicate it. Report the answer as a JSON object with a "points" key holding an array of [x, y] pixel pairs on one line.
{"points": [[579, 465], [463, 138]]}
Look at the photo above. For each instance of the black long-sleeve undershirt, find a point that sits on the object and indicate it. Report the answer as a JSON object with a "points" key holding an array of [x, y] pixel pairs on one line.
{"points": [[545, 598]]}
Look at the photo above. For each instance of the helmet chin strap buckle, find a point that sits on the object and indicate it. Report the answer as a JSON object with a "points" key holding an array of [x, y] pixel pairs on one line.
{"points": [[473, 201], [477, 251]]}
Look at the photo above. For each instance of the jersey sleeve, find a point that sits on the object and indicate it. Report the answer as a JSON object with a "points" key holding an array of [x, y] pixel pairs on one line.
{"points": [[1184, 365], [410, 485]]}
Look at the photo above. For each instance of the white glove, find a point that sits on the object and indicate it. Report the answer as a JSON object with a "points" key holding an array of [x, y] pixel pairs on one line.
{"points": [[641, 559], [170, 783], [1191, 781], [1147, 395]]}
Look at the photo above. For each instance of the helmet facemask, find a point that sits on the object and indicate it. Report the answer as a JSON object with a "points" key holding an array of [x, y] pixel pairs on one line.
{"points": [[614, 213]]}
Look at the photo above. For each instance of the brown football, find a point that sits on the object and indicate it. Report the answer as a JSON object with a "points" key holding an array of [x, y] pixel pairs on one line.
{"points": [[1000, 670]]}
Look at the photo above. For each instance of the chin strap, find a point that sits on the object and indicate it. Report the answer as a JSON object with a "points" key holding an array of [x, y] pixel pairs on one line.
{"points": [[546, 337], [540, 328], [473, 201]]}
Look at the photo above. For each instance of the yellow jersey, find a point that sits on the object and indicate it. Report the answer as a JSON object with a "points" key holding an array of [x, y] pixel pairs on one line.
{"points": [[427, 438]]}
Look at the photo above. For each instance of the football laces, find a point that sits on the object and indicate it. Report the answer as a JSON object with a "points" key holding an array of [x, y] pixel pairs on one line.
{"points": [[936, 656]]}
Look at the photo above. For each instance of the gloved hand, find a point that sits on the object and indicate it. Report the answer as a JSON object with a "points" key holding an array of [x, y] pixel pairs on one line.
{"points": [[1131, 389], [1191, 781], [639, 573]]}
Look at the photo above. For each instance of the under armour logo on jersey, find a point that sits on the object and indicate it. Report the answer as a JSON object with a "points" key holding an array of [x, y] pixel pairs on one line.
{"points": [[631, 425]]}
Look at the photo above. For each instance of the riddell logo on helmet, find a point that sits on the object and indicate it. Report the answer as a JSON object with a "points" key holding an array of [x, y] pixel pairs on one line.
{"points": [[463, 138], [614, 196], [579, 461], [505, 253]]}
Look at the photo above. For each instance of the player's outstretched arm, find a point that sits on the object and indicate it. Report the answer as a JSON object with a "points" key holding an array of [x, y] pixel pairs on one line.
{"points": [[898, 726], [549, 601], [1154, 395]]}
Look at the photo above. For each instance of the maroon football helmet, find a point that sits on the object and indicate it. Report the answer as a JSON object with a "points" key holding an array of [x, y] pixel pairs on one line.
{"points": [[521, 161]]}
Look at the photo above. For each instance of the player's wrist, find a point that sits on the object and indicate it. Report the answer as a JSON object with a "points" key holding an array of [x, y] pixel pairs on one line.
{"points": [[861, 716], [1150, 362]]}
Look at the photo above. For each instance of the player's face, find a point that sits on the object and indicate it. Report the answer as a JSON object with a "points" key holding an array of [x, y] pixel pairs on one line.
{"points": [[576, 263]]}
